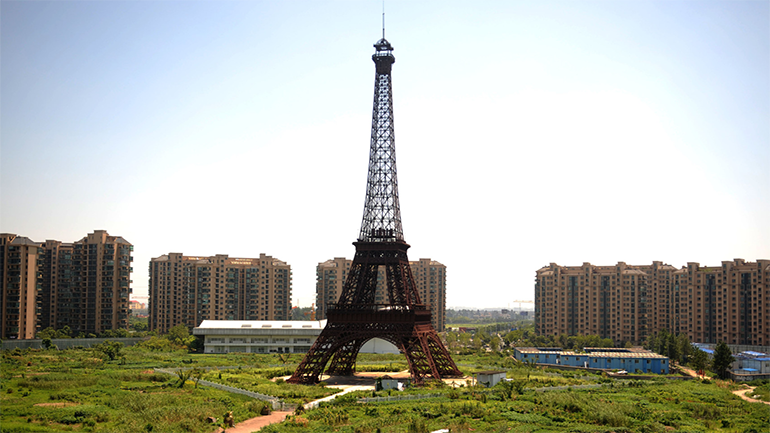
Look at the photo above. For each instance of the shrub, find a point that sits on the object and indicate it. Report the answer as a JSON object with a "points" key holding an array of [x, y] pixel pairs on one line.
{"points": [[110, 349]]}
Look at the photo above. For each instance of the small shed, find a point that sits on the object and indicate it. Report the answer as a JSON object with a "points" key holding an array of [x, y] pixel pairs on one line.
{"points": [[490, 378], [386, 382]]}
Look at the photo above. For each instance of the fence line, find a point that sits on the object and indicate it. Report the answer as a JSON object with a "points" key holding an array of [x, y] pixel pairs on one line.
{"points": [[563, 387], [481, 391], [398, 397], [277, 403]]}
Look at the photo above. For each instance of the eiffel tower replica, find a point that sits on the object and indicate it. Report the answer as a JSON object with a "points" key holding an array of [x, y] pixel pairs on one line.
{"points": [[356, 318]]}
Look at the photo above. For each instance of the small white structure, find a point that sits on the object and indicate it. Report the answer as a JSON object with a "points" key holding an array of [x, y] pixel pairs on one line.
{"points": [[385, 383], [490, 378], [270, 336]]}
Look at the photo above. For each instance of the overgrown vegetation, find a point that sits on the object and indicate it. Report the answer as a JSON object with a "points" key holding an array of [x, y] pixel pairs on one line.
{"points": [[627, 406], [111, 388], [259, 380]]}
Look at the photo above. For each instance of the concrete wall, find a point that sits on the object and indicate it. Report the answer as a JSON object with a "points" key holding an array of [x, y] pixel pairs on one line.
{"points": [[66, 343]]}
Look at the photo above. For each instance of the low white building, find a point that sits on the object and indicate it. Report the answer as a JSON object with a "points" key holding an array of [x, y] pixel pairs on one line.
{"points": [[490, 378], [259, 336], [274, 336]]}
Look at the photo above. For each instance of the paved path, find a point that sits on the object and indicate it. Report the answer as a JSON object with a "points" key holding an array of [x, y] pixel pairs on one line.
{"points": [[255, 424], [345, 389]]}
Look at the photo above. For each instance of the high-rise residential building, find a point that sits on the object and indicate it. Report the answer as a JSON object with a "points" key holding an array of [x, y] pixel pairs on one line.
{"points": [[188, 290], [84, 285], [429, 277], [20, 280], [627, 303]]}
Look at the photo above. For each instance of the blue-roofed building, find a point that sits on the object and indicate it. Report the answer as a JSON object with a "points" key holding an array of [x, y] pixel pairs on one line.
{"points": [[630, 360], [750, 365]]}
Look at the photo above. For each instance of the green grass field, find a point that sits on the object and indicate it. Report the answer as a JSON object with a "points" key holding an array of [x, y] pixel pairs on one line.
{"points": [[81, 390], [75, 390], [650, 406]]}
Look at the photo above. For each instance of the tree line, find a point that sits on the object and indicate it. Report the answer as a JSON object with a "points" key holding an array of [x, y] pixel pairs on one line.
{"points": [[678, 348]]}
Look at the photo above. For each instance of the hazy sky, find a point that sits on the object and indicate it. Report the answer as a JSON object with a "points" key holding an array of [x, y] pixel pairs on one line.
{"points": [[527, 132]]}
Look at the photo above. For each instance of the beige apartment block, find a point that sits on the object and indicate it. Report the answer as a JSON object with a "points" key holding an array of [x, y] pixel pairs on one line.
{"points": [[188, 290], [19, 317], [84, 285], [627, 303], [429, 276]]}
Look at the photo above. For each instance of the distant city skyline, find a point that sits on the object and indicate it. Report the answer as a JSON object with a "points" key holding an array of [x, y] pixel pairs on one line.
{"points": [[527, 132]]}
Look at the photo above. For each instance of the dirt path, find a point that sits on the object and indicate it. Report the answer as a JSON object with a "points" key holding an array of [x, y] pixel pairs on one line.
{"points": [[254, 424], [689, 372], [742, 394]]}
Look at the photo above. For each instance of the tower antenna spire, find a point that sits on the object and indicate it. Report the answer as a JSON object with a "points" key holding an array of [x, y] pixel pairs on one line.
{"points": [[383, 19]]}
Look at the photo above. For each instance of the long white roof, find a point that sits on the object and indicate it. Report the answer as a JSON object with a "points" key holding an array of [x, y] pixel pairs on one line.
{"points": [[262, 324]]}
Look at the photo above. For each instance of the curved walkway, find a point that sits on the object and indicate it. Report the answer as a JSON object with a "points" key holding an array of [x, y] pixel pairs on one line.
{"points": [[255, 424]]}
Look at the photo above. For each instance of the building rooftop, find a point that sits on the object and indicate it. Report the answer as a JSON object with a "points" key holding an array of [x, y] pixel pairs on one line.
{"points": [[593, 354], [262, 324], [23, 240]]}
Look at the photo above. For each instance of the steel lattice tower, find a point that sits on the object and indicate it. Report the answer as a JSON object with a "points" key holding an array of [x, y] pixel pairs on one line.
{"points": [[356, 318]]}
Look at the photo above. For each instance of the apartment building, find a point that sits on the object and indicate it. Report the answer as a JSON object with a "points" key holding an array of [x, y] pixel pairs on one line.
{"points": [[84, 285], [627, 303], [20, 279], [188, 290], [429, 276]]}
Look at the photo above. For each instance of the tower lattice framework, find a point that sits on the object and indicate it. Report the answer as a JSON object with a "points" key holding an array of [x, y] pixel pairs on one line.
{"points": [[356, 318]]}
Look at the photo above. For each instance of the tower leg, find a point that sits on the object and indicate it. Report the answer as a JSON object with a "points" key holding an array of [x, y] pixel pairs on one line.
{"points": [[344, 360]]}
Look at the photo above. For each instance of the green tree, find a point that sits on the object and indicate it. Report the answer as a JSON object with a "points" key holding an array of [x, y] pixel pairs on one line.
{"points": [[451, 339], [723, 357], [661, 342], [180, 336], [47, 333], [673, 349], [477, 343], [48, 344], [156, 343], [684, 347], [139, 326], [699, 359], [465, 339], [508, 389], [65, 332], [512, 336], [114, 333], [494, 344], [110, 349], [482, 336], [52, 333]]}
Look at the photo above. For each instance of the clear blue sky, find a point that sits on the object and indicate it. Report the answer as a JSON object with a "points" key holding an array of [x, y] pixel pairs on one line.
{"points": [[528, 132]]}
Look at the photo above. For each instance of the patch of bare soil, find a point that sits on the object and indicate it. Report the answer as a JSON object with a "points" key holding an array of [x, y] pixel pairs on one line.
{"points": [[742, 394], [254, 424], [55, 405]]}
